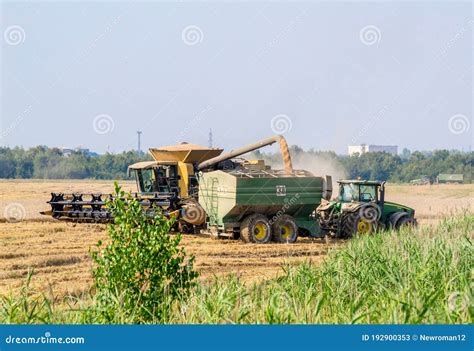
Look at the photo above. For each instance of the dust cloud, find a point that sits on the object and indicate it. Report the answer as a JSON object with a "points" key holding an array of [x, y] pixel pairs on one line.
{"points": [[320, 165]]}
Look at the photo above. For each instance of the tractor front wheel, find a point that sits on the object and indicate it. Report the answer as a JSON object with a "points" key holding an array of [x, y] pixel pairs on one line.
{"points": [[406, 222], [401, 219], [255, 229], [285, 230]]}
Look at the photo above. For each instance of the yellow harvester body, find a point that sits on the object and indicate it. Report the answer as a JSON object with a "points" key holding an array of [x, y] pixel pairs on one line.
{"points": [[183, 156]]}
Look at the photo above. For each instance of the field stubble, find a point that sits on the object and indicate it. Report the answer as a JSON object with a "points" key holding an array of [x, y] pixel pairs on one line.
{"points": [[59, 251]]}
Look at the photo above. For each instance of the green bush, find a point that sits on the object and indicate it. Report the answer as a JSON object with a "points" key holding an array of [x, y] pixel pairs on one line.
{"points": [[142, 271]]}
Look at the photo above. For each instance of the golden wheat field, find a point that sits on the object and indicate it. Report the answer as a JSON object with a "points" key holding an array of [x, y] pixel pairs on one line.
{"points": [[59, 251]]}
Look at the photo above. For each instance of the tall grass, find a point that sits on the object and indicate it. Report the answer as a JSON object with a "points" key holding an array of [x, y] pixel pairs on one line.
{"points": [[422, 275], [413, 276]]}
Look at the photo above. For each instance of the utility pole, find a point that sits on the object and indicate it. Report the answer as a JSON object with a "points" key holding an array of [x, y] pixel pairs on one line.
{"points": [[139, 150], [210, 137]]}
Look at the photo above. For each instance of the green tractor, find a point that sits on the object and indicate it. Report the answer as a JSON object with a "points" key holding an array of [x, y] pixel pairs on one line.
{"points": [[360, 208]]}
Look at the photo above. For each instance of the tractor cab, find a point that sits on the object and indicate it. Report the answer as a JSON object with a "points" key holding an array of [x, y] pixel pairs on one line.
{"points": [[361, 191]]}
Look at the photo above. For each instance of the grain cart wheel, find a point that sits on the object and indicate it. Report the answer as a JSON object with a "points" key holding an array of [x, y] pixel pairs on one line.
{"points": [[285, 230], [255, 229]]}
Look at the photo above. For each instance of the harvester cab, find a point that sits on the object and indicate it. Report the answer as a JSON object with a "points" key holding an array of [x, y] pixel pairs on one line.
{"points": [[173, 169], [360, 208], [155, 177], [173, 172]]}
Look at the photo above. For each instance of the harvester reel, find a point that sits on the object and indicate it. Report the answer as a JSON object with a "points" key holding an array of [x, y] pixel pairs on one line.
{"points": [[92, 208]]}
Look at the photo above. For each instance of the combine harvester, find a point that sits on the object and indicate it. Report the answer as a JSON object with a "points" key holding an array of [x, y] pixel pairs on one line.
{"points": [[223, 195]]}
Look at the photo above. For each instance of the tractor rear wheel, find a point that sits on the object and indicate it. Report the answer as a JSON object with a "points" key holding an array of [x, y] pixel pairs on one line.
{"points": [[356, 224], [255, 229], [285, 230]]}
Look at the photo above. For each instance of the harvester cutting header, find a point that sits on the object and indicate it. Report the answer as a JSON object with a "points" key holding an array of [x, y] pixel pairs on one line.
{"points": [[221, 194]]}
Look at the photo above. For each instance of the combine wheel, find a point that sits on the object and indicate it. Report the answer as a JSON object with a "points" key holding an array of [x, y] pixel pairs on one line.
{"points": [[285, 230], [255, 229], [185, 228]]}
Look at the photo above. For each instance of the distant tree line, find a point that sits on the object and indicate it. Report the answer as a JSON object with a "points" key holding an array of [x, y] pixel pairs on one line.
{"points": [[384, 166], [50, 163]]}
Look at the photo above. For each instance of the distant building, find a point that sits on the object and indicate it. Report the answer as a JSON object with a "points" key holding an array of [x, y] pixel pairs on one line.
{"points": [[69, 151], [363, 148], [66, 151]]}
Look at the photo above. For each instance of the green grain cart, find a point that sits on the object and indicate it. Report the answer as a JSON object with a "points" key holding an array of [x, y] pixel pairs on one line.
{"points": [[248, 199]]}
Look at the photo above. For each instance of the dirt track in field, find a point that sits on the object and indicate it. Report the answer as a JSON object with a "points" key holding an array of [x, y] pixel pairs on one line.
{"points": [[59, 252]]}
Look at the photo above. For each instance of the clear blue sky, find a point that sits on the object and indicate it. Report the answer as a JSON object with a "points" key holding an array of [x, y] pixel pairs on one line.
{"points": [[339, 73]]}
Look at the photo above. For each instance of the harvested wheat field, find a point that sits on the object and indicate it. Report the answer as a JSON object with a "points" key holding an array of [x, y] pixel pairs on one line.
{"points": [[59, 251]]}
